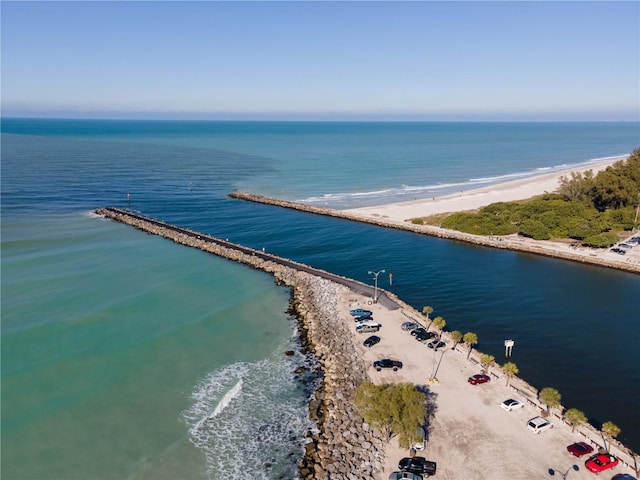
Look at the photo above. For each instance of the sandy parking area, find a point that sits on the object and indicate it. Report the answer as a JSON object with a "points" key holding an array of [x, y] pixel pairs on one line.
{"points": [[470, 436]]}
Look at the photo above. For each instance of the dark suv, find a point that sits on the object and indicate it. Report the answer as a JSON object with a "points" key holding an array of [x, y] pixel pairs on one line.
{"points": [[387, 363], [418, 465]]}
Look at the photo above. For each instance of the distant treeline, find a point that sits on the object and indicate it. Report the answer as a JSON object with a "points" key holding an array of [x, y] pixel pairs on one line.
{"points": [[591, 209]]}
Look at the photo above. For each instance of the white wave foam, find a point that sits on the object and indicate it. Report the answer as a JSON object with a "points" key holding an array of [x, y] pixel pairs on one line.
{"points": [[222, 404], [349, 199], [248, 416]]}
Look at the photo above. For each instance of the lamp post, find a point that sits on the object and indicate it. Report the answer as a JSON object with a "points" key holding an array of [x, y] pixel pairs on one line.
{"points": [[375, 283], [552, 472]]}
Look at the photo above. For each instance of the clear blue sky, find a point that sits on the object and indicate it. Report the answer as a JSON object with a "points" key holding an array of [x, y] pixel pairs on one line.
{"points": [[322, 60]]}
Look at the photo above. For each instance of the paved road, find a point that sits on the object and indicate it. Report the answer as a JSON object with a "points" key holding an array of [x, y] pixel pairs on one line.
{"points": [[354, 285]]}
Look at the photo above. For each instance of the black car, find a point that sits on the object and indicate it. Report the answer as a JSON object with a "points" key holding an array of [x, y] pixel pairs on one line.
{"points": [[418, 465], [619, 251], [418, 330], [387, 363], [436, 344], [371, 341], [362, 318], [422, 336]]}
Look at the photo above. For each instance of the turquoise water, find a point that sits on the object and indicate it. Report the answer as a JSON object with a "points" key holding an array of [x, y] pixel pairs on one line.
{"points": [[109, 342], [126, 356]]}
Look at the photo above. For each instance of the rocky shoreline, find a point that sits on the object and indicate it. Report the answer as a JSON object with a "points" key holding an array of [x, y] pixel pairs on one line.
{"points": [[344, 446], [509, 242]]}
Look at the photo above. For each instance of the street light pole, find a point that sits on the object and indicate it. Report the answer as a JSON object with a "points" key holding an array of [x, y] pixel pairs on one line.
{"points": [[375, 283]]}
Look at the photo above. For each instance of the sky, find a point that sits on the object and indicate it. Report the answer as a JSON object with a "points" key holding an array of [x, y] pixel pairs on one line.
{"points": [[325, 60]]}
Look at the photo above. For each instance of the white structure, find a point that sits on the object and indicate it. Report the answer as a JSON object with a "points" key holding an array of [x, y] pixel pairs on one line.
{"points": [[508, 346]]}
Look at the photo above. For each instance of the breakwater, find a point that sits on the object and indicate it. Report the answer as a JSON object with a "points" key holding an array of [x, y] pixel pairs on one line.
{"points": [[508, 242], [344, 446]]}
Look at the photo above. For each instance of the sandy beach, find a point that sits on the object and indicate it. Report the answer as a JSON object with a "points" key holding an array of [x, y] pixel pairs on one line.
{"points": [[476, 198], [470, 436]]}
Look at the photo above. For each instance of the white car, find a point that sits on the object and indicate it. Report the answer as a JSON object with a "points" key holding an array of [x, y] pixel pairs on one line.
{"points": [[539, 424], [511, 404], [368, 327]]}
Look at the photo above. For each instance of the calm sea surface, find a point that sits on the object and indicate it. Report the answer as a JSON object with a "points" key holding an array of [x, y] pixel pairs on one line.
{"points": [[126, 356]]}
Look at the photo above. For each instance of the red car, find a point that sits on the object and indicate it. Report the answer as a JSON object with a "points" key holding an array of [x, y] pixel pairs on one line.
{"points": [[579, 449], [476, 379], [600, 462]]}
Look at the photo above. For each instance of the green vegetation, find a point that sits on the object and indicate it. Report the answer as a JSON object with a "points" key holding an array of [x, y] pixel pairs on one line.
{"points": [[550, 397], [394, 409], [487, 361], [427, 310], [456, 336], [576, 418], [470, 339], [609, 430], [586, 208], [439, 323], [510, 369]]}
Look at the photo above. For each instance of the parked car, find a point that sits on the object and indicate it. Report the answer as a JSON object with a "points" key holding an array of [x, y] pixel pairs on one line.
{"points": [[387, 363], [600, 462], [418, 330], [422, 443], [371, 341], [360, 311], [436, 344], [619, 251], [368, 327], [623, 476], [511, 404], [625, 245], [423, 335], [408, 326], [539, 424], [407, 475], [418, 465], [362, 318], [477, 379], [579, 449]]}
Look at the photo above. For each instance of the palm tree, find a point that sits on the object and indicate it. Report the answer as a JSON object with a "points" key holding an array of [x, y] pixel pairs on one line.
{"points": [[470, 339], [576, 418], [439, 323], [456, 336], [427, 311], [609, 430], [550, 397], [510, 369], [487, 361]]}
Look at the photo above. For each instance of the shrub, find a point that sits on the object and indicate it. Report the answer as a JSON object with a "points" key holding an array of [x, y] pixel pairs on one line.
{"points": [[603, 240], [534, 229]]}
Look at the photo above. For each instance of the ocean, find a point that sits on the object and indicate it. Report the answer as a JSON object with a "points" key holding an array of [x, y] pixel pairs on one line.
{"points": [[126, 356]]}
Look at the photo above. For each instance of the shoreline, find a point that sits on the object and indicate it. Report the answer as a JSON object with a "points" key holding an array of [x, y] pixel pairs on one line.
{"points": [[344, 446], [398, 216]]}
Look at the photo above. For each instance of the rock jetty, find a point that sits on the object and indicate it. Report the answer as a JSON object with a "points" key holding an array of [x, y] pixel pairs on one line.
{"points": [[508, 242], [344, 446]]}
